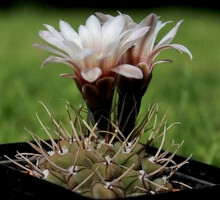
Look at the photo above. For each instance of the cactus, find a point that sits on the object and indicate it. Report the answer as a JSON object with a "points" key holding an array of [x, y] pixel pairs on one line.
{"points": [[107, 156], [94, 167]]}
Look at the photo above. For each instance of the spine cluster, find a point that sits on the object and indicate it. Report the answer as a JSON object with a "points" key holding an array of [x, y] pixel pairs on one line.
{"points": [[109, 167]]}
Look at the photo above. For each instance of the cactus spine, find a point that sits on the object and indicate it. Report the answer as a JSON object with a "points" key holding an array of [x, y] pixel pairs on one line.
{"points": [[94, 167]]}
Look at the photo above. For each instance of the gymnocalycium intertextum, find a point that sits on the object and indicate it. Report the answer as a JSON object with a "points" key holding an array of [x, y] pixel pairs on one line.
{"points": [[107, 155]]}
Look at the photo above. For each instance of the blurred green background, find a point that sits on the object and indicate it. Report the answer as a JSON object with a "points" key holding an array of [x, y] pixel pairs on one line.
{"points": [[189, 87]]}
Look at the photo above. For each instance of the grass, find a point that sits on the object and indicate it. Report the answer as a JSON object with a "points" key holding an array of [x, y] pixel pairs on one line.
{"points": [[189, 87]]}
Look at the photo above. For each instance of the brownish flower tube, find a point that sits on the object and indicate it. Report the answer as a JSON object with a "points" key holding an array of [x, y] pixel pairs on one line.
{"points": [[130, 93], [98, 97]]}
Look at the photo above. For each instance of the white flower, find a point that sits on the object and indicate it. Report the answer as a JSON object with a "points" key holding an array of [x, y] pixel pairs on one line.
{"points": [[145, 49], [95, 50]]}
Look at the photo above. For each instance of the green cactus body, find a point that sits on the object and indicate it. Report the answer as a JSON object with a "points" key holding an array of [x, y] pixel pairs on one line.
{"points": [[62, 160], [78, 177], [111, 172], [140, 150], [84, 158], [104, 191], [128, 159], [108, 171], [138, 186], [149, 166], [161, 185], [54, 177], [105, 168], [106, 150]]}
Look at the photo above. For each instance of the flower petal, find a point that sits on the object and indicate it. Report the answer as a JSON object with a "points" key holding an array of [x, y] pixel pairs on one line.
{"points": [[136, 34], [67, 75], [145, 45], [112, 29], [149, 20], [73, 47], [103, 17], [178, 47], [48, 37], [85, 53], [86, 37], [131, 39], [170, 35], [129, 71], [91, 74], [50, 49], [69, 33], [161, 61], [110, 48], [56, 59], [94, 27], [181, 49], [54, 32]]}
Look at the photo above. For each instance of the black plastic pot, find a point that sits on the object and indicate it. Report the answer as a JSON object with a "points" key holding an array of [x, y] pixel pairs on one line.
{"points": [[205, 180]]}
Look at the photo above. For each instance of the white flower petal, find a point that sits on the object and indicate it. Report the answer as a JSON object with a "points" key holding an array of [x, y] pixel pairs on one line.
{"points": [[88, 58], [129, 71], [66, 75], [112, 29], [136, 34], [69, 33], [53, 32], [86, 37], [74, 48], [45, 35], [178, 47], [146, 44], [91, 74], [181, 49], [84, 53], [130, 40], [149, 20], [102, 17], [50, 49], [110, 48], [48, 37], [161, 61], [94, 27], [170, 35], [56, 59], [129, 23]]}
